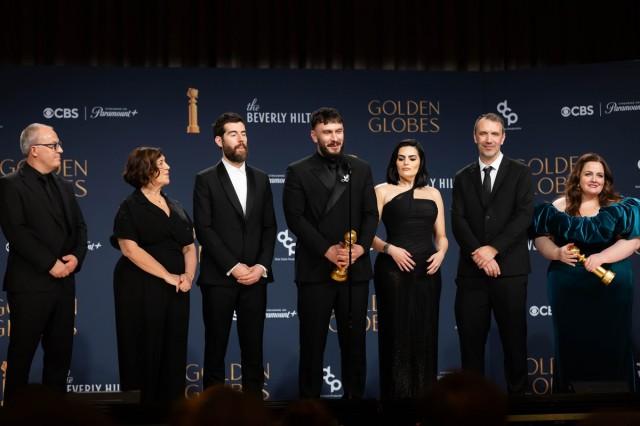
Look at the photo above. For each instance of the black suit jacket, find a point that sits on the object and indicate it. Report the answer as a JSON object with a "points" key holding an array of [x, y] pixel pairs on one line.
{"points": [[226, 235], [36, 235], [318, 216], [501, 221]]}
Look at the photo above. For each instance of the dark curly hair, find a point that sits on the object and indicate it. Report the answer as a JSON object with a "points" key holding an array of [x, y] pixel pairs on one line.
{"points": [[573, 194], [141, 166], [325, 115]]}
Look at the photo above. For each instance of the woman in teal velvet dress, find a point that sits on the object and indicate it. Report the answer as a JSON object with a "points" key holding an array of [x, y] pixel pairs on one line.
{"points": [[591, 321]]}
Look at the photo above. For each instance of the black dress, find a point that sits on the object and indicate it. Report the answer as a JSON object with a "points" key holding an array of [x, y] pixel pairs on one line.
{"points": [[151, 318], [408, 302]]}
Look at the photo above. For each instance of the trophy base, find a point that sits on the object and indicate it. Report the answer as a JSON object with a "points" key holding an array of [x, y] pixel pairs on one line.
{"points": [[339, 276], [608, 277]]}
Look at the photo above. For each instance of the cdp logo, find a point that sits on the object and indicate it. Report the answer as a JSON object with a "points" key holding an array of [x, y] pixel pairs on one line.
{"points": [[330, 379], [287, 242], [576, 111], [543, 311], [507, 113], [60, 113]]}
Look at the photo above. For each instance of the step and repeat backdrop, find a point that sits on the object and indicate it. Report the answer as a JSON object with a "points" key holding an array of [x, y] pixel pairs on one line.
{"points": [[552, 116]]}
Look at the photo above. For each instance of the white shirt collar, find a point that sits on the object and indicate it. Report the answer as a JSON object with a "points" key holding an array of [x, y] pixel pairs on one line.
{"points": [[233, 169], [495, 164]]}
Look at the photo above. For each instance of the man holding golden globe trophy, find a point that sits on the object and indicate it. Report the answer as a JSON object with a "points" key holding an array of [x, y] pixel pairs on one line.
{"points": [[327, 195]]}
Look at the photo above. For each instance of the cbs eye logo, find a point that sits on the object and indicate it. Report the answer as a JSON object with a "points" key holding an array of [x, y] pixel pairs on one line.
{"points": [[542, 311], [50, 113], [576, 111]]}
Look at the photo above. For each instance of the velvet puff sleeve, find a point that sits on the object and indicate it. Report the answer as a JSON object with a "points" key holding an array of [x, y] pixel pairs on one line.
{"points": [[618, 220]]}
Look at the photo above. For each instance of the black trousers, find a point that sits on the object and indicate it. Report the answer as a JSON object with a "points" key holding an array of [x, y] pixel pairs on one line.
{"points": [[250, 305], [129, 289], [164, 348], [45, 317], [152, 324], [476, 298], [316, 301]]}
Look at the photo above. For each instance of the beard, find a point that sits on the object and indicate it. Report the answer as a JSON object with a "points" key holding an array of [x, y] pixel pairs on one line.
{"points": [[328, 154], [234, 155]]}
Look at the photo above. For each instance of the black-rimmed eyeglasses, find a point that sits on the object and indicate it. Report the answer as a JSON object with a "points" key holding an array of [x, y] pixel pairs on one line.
{"points": [[51, 146]]}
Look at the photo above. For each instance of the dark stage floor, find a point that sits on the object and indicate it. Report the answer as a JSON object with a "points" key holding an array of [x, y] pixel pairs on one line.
{"points": [[535, 410]]}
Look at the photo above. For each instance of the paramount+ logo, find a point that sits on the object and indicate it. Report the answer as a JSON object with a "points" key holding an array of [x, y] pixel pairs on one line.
{"points": [[60, 112], [576, 111]]}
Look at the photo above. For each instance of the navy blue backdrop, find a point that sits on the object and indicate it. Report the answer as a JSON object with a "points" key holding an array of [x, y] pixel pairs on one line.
{"points": [[552, 117]]}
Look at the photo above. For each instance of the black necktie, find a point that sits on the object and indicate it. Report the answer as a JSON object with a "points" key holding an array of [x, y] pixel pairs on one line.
{"points": [[486, 182]]}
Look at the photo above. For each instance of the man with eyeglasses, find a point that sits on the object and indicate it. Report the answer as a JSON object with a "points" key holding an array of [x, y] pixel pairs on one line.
{"points": [[47, 237]]}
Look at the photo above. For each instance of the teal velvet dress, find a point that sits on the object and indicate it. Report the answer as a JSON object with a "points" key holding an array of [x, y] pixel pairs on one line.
{"points": [[591, 321]]}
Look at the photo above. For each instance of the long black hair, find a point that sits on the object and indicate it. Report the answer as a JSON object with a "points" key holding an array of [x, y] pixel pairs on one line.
{"points": [[422, 177]]}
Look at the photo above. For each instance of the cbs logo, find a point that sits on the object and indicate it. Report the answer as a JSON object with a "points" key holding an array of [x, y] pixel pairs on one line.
{"points": [[60, 113], [543, 311], [576, 111]]}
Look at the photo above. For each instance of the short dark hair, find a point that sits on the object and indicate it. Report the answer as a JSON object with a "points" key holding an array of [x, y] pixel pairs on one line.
{"points": [[393, 177], [141, 166], [491, 116], [325, 115], [227, 117]]}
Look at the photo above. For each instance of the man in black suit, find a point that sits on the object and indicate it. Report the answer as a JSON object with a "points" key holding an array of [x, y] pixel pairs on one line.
{"points": [[492, 209], [236, 227], [47, 237], [316, 204]]}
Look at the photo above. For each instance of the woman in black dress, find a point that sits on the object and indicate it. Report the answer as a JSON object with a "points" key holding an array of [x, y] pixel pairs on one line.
{"points": [[152, 280], [407, 275]]}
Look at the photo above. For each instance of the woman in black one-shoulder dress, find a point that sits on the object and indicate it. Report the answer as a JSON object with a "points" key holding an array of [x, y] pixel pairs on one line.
{"points": [[407, 275]]}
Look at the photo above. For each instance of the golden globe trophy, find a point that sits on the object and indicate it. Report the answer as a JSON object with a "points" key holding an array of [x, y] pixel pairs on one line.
{"points": [[605, 275], [193, 127], [3, 370], [340, 274]]}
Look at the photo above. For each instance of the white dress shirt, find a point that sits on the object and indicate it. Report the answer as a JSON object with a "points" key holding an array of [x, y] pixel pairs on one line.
{"points": [[494, 170], [238, 176]]}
